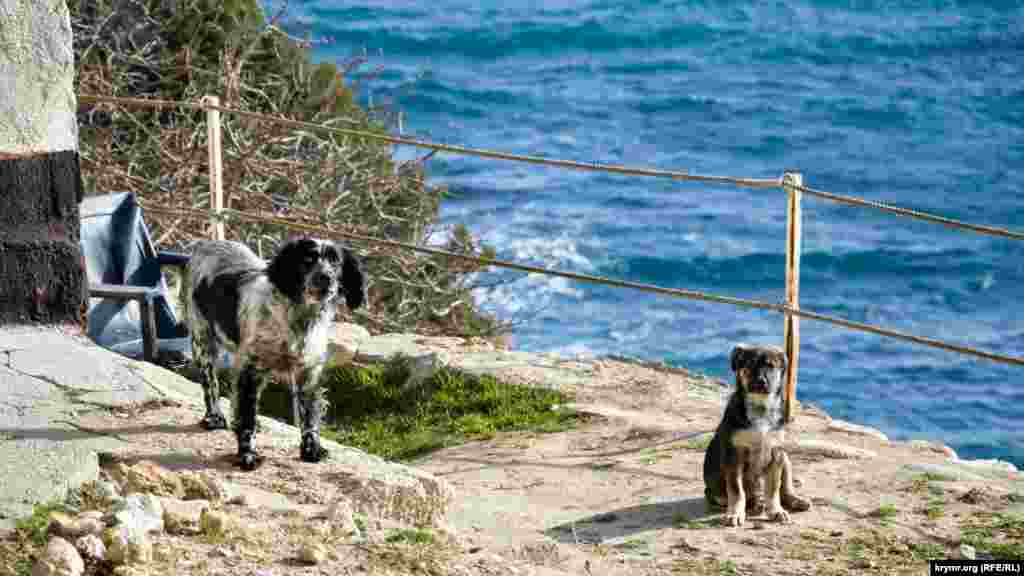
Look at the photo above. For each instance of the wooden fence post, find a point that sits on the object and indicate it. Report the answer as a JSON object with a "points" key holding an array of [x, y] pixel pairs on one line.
{"points": [[216, 167], [793, 241]]}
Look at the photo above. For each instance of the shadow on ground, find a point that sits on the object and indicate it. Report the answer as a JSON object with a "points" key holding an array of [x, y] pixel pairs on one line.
{"points": [[626, 522], [81, 433]]}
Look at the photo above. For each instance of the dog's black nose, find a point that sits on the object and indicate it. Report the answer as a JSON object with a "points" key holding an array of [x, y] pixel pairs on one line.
{"points": [[322, 281], [761, 384]]}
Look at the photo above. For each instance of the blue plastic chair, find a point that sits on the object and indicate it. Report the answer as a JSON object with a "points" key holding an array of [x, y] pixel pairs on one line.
{"points": [[129, 308]]}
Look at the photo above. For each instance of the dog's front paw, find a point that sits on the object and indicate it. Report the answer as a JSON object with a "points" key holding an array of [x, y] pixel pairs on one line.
{"points": [[311, 450], [249, 461], [779, 515], [736, 518], [796, 503], [214, 421]]}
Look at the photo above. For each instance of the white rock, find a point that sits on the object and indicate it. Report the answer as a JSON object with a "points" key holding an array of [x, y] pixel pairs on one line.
{"points": [[140, 512], [91, 547], [59, 559], [967, 551]]}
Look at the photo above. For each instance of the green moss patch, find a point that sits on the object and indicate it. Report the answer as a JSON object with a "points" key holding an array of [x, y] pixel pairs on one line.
{"points": [[372, 409], [20, 550]]}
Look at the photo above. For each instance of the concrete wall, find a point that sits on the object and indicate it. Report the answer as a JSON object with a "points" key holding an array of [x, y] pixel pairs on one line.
{"points": [[37, 70], [41, 279]]}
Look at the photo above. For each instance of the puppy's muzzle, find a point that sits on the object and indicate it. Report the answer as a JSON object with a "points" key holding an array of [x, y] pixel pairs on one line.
{"points": [[321, 286], [760, 385], [322, 282]]}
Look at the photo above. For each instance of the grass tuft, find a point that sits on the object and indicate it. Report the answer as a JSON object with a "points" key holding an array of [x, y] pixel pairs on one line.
{"points": [[372, 409], [935, 508], [885, 512], [411, 536], [998, 534], [876, 551]]}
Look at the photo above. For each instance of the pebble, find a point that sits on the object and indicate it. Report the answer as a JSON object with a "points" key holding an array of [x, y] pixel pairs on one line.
{"points": [[59, 559]]}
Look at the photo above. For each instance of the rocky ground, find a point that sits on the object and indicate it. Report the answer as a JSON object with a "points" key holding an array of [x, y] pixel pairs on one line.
{"points": [[621, 494]]}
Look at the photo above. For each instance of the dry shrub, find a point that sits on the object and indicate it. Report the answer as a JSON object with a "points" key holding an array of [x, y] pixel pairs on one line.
{"points": [[185, 49]]}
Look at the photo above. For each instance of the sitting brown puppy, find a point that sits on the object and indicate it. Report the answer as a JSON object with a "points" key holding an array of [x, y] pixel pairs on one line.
{"points": [[747, 446]]}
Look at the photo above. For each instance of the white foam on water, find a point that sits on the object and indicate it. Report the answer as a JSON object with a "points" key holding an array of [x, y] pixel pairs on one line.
{"points": [[576, 350]]}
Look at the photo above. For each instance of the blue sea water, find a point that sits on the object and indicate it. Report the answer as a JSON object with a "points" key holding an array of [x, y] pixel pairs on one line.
{"points": [[920, 104]]}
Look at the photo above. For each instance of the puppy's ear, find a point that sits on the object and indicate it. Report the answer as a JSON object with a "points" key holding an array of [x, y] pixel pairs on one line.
{"points": [[352, 280], [287, 271], [739, 357]]}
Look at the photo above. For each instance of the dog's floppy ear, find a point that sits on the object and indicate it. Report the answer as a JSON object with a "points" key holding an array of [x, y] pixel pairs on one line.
{"points": [[352, 280], [287, 271], [739, 357]]}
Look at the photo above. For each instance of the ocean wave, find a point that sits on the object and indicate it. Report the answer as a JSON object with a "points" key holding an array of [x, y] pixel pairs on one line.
{"points": [[915, 105]]}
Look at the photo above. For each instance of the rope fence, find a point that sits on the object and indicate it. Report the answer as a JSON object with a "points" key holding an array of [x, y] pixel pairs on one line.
{"points": [[790, 182], [651, 288], [853, 201], [589, 166], [593, 167]]}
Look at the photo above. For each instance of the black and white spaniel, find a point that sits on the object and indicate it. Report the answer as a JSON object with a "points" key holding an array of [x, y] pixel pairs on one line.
{"points": [[274, 320]]}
